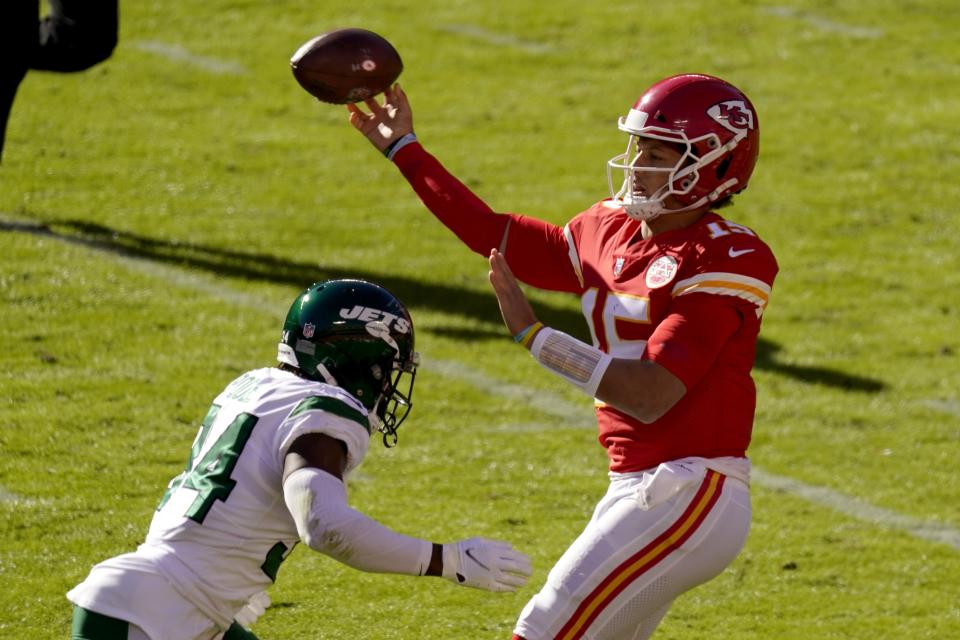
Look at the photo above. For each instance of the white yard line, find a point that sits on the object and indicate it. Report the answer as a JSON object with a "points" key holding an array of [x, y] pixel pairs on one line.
{"points": [[474, 32], [824, 24], [859, 509], [946, 406], [565, 413], [178, 53], [571, 413], [7, 496]]}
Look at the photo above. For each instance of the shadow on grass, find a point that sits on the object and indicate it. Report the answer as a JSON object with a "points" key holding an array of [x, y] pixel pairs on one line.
{"points": [[766, 360], [445, 298]]}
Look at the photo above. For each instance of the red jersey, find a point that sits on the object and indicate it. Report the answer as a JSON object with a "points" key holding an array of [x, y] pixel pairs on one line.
{"points": [[690, 300]]}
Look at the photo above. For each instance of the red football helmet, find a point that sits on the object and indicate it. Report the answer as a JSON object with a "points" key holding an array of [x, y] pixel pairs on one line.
{"points": [[715, 127]]}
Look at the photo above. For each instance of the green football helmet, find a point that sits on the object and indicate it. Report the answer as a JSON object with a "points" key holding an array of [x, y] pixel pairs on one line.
{"points": [[358, 336]]}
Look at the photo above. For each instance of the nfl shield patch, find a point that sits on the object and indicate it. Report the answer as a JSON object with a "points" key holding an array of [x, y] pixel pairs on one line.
{"points": [[618, 266]]}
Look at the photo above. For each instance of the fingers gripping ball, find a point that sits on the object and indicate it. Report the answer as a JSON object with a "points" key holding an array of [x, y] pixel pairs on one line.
{"points": [[346, 65]]}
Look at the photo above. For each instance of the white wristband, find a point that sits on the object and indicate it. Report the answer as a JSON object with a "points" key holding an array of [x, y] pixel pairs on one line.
{"points": [[576, 362], [398, 144]]}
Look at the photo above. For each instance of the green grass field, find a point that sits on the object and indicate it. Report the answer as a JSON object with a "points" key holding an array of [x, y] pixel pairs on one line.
{"points": [[159, 212]]}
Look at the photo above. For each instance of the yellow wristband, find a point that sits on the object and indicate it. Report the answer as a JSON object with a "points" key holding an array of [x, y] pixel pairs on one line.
{"points": [[526, 336]]}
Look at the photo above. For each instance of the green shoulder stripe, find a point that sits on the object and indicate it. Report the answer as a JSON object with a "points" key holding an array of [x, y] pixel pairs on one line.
{"points": [[334, 406]]}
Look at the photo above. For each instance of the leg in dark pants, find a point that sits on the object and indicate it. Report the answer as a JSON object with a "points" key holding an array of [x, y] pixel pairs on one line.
{"points": [[75, 35], [18, 37]]}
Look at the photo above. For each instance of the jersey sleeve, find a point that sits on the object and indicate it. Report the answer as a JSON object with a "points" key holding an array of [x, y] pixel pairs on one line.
{"points": [[748, 291], [725, 294], [536, 251], [687, 342], [540, 254], [740, 269], [335, 417]]}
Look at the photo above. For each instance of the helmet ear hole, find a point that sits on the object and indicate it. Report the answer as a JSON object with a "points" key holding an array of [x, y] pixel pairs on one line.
{"points": [[723, 166]]}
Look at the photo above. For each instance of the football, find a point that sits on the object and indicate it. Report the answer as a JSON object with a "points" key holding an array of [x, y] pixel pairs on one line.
{"points": [[346, 65]]}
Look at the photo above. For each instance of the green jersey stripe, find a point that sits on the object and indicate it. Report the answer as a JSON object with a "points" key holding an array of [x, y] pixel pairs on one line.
{"points": [[334, 406]]}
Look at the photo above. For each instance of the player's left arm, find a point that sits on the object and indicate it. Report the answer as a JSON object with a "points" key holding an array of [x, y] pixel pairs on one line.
{"points": [[726, 295], [684, 346], [316, 497]]}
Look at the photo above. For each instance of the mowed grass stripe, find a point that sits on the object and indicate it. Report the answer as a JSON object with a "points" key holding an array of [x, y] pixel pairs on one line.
{"points": [[566, 413]]}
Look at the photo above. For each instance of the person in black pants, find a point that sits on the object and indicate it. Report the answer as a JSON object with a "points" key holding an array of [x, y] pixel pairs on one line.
{"points": [[75, 35]]}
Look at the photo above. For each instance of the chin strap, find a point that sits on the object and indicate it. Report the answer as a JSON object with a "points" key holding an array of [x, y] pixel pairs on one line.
{"points": [[635, 211], [326, 375]]}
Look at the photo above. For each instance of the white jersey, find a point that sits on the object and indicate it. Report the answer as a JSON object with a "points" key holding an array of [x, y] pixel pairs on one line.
{"points": [[222, 528]]}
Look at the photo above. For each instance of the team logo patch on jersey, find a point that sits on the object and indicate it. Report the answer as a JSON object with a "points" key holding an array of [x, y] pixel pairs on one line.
{"points": [[661, 271], [618, 266]]}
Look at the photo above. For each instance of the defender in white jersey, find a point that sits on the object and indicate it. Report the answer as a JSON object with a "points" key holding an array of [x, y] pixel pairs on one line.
{"points": [[267, 470]]}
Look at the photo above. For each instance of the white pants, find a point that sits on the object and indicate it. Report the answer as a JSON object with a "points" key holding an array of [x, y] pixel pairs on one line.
{"points": [[127, 587], [654, 535]]}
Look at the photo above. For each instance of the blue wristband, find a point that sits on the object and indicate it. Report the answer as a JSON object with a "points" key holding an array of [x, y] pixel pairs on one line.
{"points": [[523, 334]]}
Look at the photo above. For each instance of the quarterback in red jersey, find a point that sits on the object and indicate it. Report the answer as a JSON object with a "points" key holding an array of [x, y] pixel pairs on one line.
{"points": [[673, 294]]}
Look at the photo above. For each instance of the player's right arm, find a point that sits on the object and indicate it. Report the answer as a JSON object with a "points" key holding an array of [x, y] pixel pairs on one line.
{"points": [[316, 497], [529, 243]]}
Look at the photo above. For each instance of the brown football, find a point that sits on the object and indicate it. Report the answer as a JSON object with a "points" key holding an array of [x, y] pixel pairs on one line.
{"points": [[346, 65]]}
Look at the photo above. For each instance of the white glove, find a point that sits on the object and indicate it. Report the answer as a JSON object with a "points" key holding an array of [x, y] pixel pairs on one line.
{"points": [[255, 607], [485, 564]]}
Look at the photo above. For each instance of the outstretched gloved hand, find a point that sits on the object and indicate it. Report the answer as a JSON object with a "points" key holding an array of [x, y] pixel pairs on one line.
{"points": [[480, 563]]}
